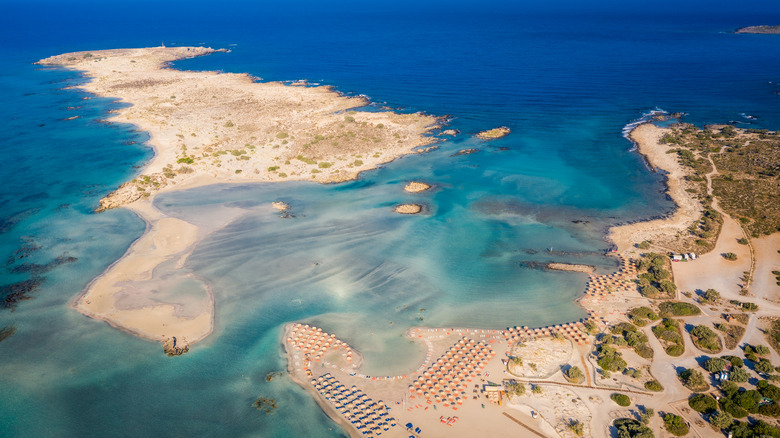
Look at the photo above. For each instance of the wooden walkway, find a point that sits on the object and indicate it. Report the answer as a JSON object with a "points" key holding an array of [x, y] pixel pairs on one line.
{"points": [[523, 424]]}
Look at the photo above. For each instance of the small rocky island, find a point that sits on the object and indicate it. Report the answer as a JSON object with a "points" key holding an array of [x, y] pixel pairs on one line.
{"points": [[408, 208], [494, 133], [416, 187], [759, 29]]}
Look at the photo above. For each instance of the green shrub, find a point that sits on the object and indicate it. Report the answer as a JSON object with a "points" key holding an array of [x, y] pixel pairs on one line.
{"points": [[574, 374], [739, 375], [654, 385], [770, 410], [764, 366], [705, 339], [282, 135], [185, 160], [703, 403], [734, 360], [273, 168], [609, 359], [769, 390], [748, 400], [620, 399], [715, 364], [730, 256], [630, 428], [721, 420], [693, 379], [678, 308], [711, 295], [743, 241], [324, 165], [675, 350], [675, 425]]}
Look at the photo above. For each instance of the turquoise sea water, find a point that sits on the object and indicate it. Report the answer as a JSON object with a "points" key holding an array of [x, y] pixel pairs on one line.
{"points": [[565, 86]]}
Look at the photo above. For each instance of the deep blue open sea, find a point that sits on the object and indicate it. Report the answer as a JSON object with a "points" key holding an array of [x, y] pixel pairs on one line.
{"points": [[565, 83]]}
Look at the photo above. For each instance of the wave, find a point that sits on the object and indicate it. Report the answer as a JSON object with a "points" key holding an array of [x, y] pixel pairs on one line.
{"points": [[644, 118]]}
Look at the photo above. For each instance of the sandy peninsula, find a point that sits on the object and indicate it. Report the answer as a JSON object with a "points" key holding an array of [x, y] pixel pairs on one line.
{"points": [[647, 139], [209, 127]]}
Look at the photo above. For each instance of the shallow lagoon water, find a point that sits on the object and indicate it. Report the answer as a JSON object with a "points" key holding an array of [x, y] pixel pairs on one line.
{"points": [[345, 262]]}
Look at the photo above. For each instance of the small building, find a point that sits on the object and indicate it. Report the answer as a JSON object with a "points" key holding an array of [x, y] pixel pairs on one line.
{"points": [[495, 394]]}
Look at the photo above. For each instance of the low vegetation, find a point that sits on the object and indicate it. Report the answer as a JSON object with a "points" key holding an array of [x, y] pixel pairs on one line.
{"points": [[630, 428], [654, 277], [748, 167], [609, 358], [670, 335], [574, 374], [705, 339], [627, 334], [654, 385], [677, 308], [693, 379], [621, 399], [675, 424], [641, 315], [703, 403]]}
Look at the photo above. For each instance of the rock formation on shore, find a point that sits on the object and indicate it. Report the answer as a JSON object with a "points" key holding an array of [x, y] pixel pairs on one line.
{"points": [[172, 348]]}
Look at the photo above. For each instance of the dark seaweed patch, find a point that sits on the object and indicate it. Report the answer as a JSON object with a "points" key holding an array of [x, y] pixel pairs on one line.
{"points": [[25, 251], [37, 269], [6, 332], [10, 221], [11, 294]]}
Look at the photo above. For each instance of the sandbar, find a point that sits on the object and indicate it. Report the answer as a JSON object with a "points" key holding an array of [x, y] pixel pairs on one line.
{"points": [[209, 127]]}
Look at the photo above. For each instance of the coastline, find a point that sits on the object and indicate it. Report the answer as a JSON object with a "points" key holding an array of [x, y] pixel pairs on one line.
{"points": [[688, 209], [231, 128], [189, 152], [164, 239]]}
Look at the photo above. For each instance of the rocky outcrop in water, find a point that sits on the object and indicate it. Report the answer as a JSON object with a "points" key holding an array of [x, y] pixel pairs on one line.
{"points": [[465, 152], [494, 133], [759, 29], [172, 348], [416, 187], [408, 208]]}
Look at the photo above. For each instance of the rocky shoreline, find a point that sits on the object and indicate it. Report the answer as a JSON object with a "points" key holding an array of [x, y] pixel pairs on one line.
{"points": [[764, 29]]}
